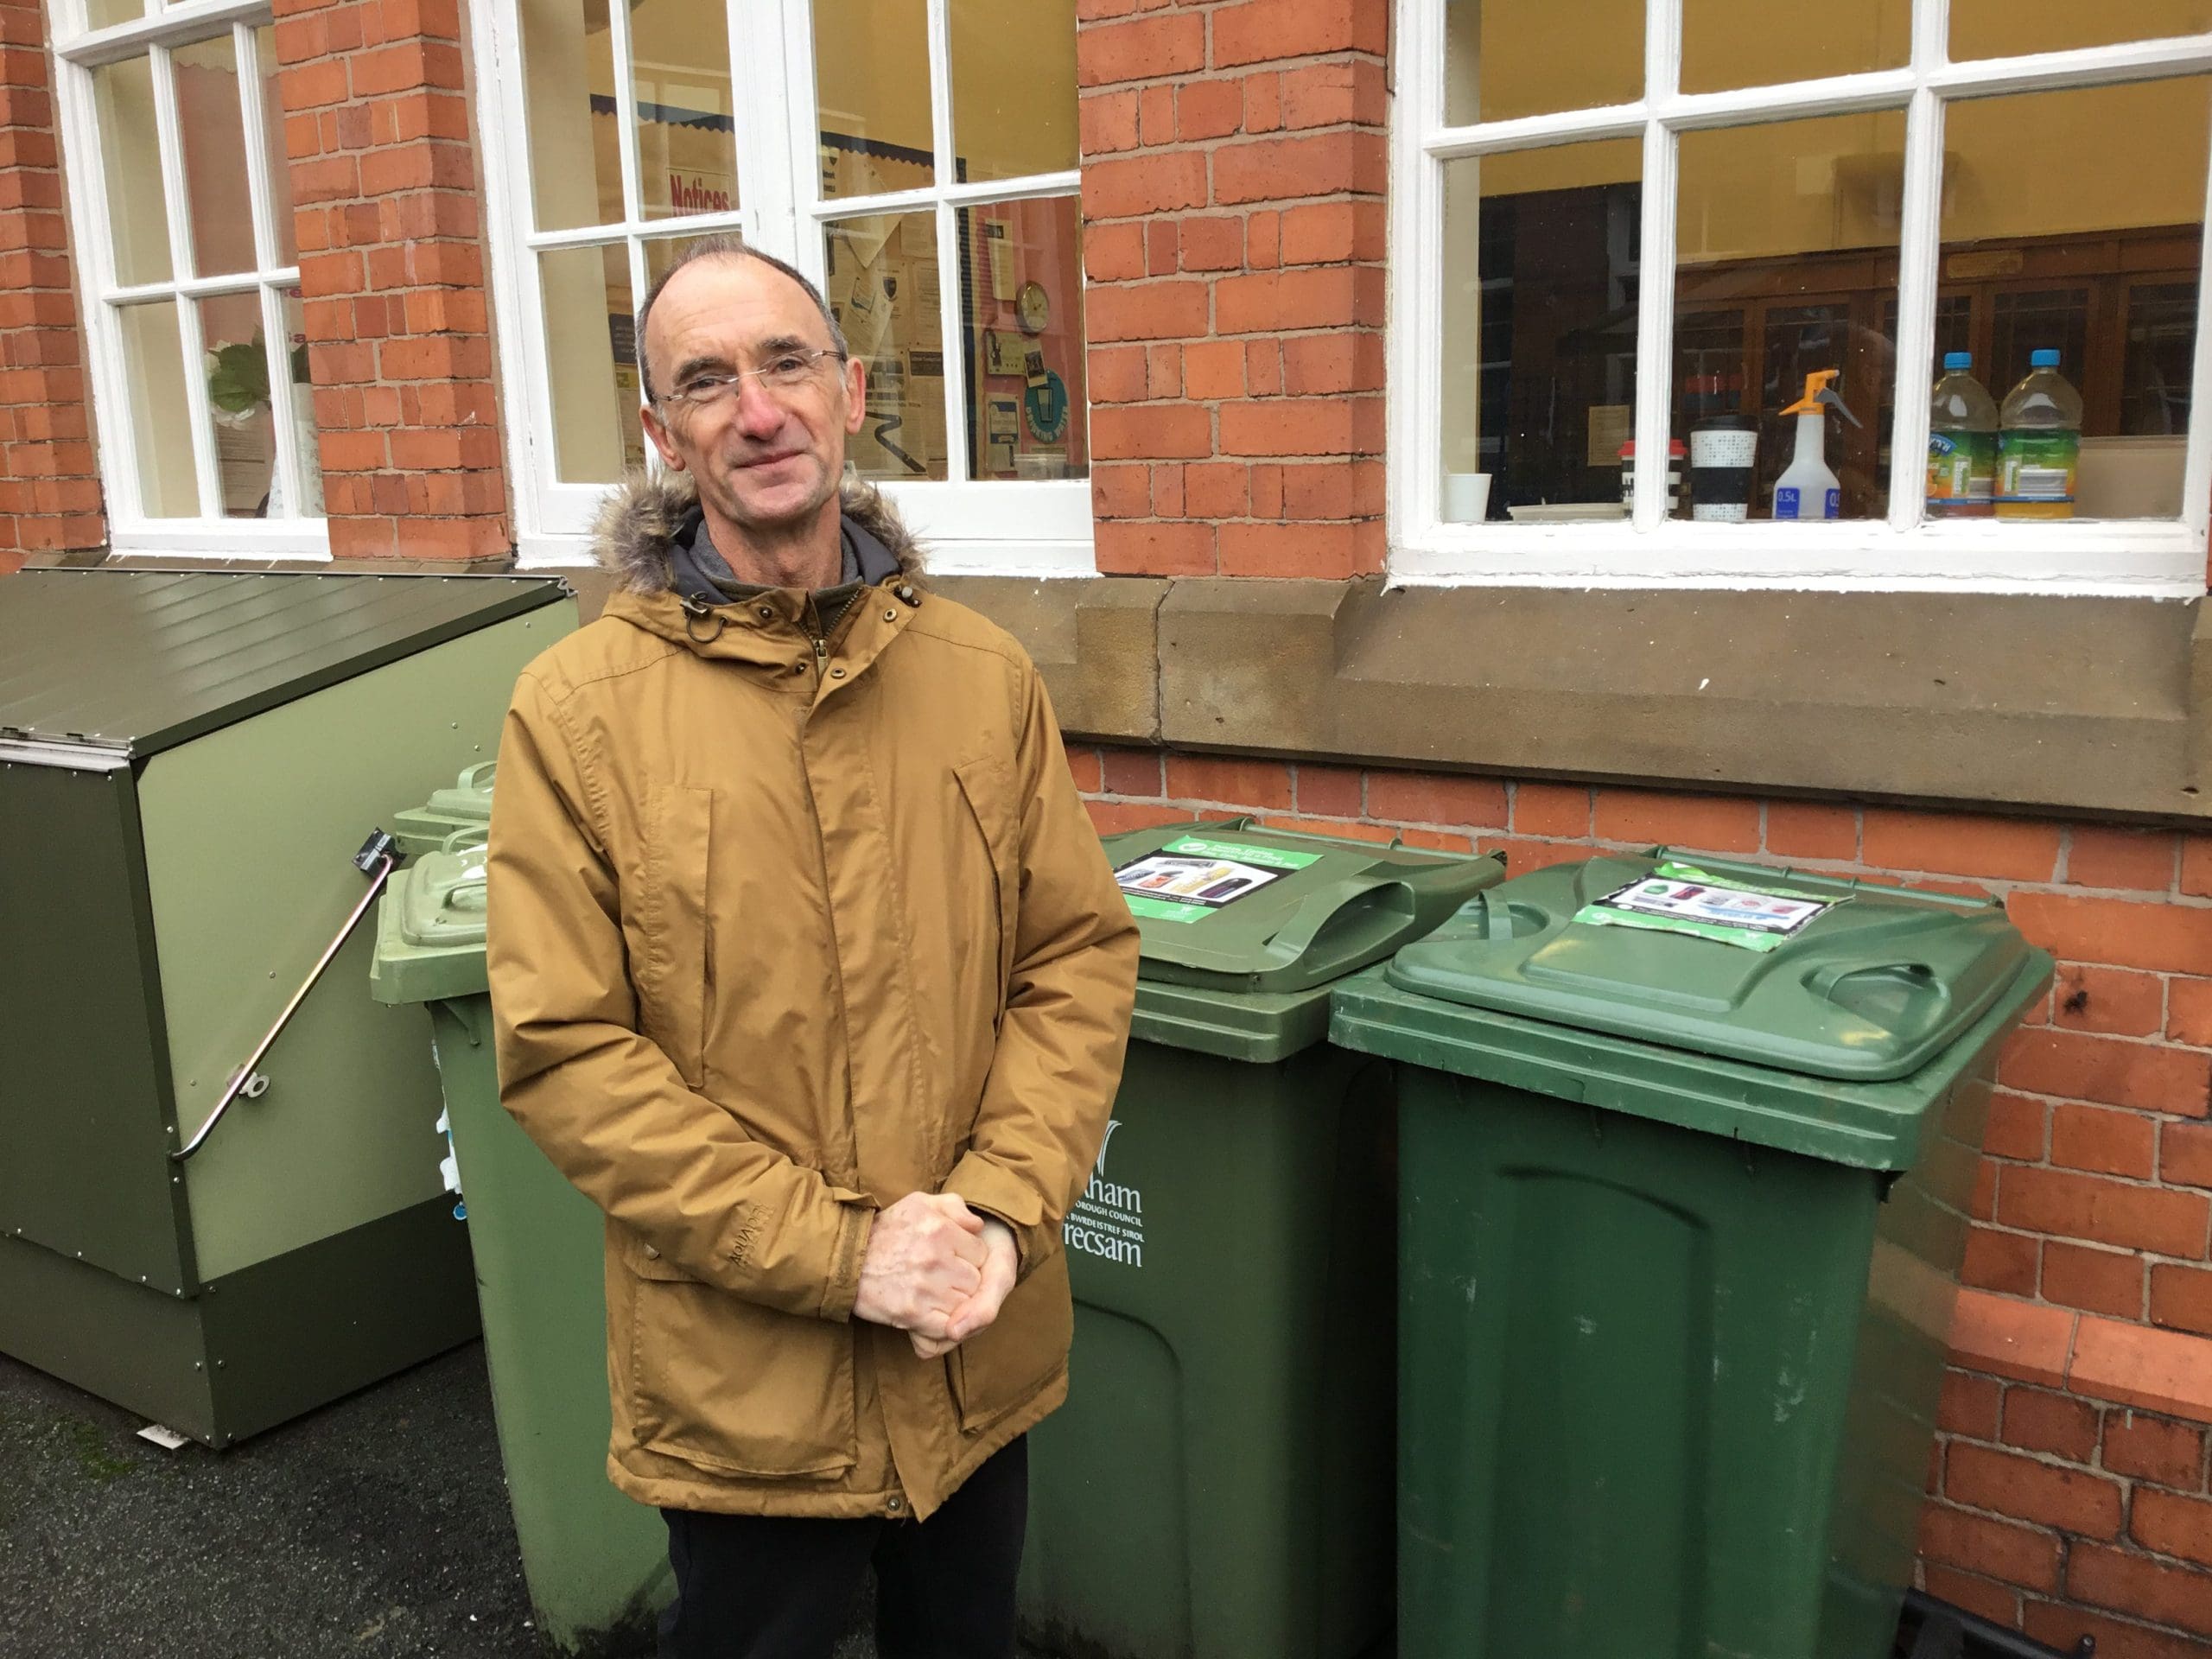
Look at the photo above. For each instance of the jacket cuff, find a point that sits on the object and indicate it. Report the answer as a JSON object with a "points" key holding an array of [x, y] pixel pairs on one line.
{"points": [[990, 1190], [855, 1226]]}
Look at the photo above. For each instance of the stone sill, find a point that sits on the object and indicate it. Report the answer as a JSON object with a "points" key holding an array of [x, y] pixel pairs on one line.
{"points": [[2095, 706], [2098, 706]]}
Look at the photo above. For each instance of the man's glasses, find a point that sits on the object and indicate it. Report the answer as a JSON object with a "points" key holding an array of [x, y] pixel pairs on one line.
{"points": [[785, 371]]}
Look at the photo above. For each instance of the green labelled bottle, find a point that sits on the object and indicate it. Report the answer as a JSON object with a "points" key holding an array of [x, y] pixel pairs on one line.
{"points": [[2038, 444], [1963, 423]]}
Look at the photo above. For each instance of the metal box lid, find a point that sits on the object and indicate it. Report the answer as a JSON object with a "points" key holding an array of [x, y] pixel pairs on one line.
{"points": [[128, 663]]}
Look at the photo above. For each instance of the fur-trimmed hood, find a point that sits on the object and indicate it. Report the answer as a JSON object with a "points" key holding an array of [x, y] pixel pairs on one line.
{"points": [[642, 515]]}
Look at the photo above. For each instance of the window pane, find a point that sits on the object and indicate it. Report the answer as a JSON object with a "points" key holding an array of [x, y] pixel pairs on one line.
{"points": [[153, 359], [568, 66], [590, 330], [1728, 43], [303, 420], [1540, 330], [238, 365], [279, 167], [687, 137], [1509, 58], [122, 97], [2003, 29], [1786, 249], [872, 87], [1022, 297], [883, 291], [1013, 87], [2161, 352], [103, 14], [2098, 262], [213, 132]]}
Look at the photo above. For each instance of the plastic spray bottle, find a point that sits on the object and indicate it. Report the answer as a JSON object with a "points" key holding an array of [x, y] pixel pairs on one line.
{"points": [[1808, 489]]}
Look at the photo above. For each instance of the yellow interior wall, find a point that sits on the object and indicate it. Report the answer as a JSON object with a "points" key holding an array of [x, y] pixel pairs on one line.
{"points": [[1013, 95], [1997, 29]]}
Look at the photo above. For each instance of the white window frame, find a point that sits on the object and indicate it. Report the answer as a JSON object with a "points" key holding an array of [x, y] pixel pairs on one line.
{"points": [[988, 527], [78, 51], [1901, 552]]}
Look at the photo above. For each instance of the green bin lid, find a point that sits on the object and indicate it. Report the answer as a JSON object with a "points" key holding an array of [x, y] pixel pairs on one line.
{"points": [[1245, 929], [430, 930], [1891, 1125], [1873, 987], [450, 815]]}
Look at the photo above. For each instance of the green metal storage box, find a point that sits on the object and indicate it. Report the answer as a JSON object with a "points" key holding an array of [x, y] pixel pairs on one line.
{"points": [[1680, 1227], [1217, 1485], [187, 761], [596, 1562]]}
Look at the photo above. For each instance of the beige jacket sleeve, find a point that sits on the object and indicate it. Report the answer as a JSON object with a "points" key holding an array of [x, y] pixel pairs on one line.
{"points": [[1058, 1060], [607, 1105]]}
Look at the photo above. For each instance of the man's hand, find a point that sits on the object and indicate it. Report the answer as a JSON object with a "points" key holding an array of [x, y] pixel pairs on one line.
{"points": [[926, 1259], [981, 1306]]}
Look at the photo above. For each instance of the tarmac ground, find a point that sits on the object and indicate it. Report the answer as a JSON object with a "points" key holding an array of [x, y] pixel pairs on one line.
{"points": [[376, 1527]]}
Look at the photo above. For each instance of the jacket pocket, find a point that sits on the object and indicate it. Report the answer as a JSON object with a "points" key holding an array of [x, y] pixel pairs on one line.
{"points": [[989, 794], [673, 976], [1007, 1363], [728, 1385]]}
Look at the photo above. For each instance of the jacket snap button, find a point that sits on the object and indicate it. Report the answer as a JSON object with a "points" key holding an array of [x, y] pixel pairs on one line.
{"points": [[837, 673], [651, 1254], [767, 614], [891, 616], [895, 1505]]}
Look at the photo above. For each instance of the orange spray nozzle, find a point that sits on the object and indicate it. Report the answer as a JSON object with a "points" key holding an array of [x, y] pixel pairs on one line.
{"points": [[1820, 396]]}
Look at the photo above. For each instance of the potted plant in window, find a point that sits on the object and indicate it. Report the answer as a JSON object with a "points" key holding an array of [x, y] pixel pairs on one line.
{"points": [[238, 397]]}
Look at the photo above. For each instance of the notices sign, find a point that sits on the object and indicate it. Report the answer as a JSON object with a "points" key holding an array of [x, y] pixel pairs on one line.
{"points": [[1191, 877], [1679, 899]]}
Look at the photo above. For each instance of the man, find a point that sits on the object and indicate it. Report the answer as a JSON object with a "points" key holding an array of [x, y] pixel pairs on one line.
{"points": [[809, 971]]}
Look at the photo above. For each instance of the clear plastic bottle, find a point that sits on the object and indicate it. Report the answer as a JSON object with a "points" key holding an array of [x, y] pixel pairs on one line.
{"points": [[1961, 443], [2039, 444]]}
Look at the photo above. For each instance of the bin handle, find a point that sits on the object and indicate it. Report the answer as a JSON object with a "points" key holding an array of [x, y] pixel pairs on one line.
{"points": [[1824, 981], [378, 857], [1347, 903], [472, 776]]}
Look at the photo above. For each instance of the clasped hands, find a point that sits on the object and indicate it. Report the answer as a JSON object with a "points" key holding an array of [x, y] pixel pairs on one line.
{"points": [[937, 1270]]}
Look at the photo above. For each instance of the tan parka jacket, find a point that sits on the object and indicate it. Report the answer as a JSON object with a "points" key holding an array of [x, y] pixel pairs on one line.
{"points": [[780, 932]]}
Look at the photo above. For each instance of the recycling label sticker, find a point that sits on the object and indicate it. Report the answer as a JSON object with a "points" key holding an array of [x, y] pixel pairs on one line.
{"points": [[1190, 878]]}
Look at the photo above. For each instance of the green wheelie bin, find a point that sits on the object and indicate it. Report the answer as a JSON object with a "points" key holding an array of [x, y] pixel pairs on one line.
{"points": [[1217, 1485], [596, 1563], [1688, 1148]]}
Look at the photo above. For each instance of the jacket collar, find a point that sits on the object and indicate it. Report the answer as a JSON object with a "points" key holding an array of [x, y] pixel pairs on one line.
{"points": [[643, 518], [642, 524]]}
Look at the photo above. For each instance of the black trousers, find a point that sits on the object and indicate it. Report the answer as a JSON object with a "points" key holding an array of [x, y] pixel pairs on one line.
{"points": [[773, 1586]]}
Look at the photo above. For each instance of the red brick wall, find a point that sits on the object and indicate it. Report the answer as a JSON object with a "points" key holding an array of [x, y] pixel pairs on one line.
{"points": [[1234, 163], [49, 493], [392, 276], [2069, 1491]]}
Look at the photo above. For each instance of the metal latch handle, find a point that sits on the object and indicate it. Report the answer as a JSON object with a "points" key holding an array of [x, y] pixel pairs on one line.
{"points": [[376, 860]]}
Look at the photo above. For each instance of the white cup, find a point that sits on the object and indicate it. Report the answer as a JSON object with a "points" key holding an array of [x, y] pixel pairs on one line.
{"points": [[1467, 497]]}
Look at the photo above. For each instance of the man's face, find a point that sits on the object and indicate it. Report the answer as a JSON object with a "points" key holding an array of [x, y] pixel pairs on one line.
{"points": [[764, 456]]}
